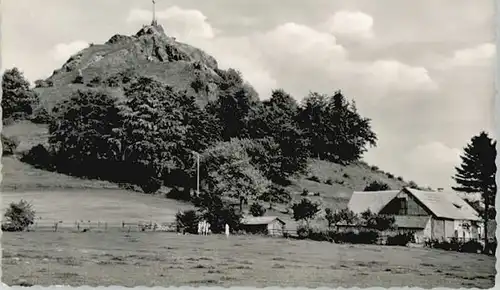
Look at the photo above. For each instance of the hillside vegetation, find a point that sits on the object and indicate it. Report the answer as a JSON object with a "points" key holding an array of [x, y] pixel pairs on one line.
{"points": [[134, 112]]}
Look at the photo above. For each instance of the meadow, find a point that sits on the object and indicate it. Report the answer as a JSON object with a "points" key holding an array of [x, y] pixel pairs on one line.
{"points": [[162, 259]]}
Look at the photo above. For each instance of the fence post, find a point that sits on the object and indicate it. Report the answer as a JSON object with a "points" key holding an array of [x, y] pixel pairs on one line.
{"points": [[78, 226], [123, 224], [55, 226], [105, 226]]}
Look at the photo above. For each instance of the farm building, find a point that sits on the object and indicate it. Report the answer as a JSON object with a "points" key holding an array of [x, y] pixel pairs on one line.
{"points": [[269, 225], [429, 215]]}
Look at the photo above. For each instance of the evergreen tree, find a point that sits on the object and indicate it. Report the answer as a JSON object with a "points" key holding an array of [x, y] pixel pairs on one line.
{"points": [[476, 173], [18, 98]]}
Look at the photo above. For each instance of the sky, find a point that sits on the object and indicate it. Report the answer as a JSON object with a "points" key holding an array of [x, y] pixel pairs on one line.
{"points": [[423, 71]]}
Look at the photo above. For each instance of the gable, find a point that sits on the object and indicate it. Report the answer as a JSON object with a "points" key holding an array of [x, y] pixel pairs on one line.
{"points": [[446, 205]]}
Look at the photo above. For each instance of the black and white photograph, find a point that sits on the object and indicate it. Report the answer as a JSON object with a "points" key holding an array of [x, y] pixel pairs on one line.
{"points": [[287, 143]]}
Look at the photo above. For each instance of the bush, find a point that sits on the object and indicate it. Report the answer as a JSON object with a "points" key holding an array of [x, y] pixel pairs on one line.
{"points": [[374, 168], [302, 232], [9, 145], [472, 247], [256, 209], [151, 185], [363, 237], [314, 178], [305, 192], [345, 175], [78, 79], [400, 239], [187, 221], [39, 157], [329, 181], [377, 186], [41, 116], [18, 217]]}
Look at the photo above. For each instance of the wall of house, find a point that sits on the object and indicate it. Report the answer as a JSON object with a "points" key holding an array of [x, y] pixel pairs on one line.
{"points": [[449, 229], [275, 228], [437, 228], [413, 207]]}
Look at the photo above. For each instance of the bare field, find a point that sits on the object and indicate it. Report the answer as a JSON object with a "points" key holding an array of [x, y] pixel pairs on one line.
{"points": [[162, 259]]}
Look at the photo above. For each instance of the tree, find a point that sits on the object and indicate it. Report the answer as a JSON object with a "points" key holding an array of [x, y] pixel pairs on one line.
{"points": [[330, 217], [188, 221], [476, 173], [277, 127], [377, 186], [17, 97], [276, 194], [305, 210], [153, 135], [227, 171], [80, 133], [256, 209], [236, 106], [18, 217], [336, 131]]}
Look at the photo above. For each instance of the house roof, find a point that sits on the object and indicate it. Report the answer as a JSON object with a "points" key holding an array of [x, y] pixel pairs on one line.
{"points": [[445, 204], [373, 200], [261, 220], [411, 222]]}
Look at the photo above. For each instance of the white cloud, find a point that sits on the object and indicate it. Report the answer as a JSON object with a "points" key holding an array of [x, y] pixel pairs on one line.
{"points": [[392, 74], [351, 23], [432, 163], [481, 55], [185, 24], [63, 51]]}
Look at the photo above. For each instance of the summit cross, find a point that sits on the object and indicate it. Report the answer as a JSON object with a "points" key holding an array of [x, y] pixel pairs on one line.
{"points": [[154, 12]]}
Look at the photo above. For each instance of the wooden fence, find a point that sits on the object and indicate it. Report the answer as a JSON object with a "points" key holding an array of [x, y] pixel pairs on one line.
{"points": [[101, 226]]}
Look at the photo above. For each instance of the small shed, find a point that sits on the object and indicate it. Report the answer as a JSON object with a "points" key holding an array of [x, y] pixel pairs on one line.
{"points": [[269, 225]]}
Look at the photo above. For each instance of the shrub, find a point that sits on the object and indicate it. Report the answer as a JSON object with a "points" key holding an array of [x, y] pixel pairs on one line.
{"points": [[377, 186], [256, 209], [374, 168], [345, 175], [41, 116], [400, 239], [317, 194], [390, 175], [305, 192], [302, 232], [9, 145], [400, 178], [18, 217], [472, 246], [78, 79], [178, 194], [329, 181], [363, 237], [39, 157], [151, 184], [314, 178], [187, 220]]}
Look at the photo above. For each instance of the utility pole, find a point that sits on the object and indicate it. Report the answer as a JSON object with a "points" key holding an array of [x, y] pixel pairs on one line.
{"points": [[197, 172]]}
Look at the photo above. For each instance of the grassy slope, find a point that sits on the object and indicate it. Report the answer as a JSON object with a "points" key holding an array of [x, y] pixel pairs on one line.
{"points": [[23, 180]]}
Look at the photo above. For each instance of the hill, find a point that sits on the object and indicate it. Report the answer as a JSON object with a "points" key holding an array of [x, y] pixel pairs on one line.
{"points": [[150, 52]]}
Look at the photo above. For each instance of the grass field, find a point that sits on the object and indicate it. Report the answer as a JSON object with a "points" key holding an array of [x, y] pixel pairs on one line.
{"points": [[162, 259]]}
